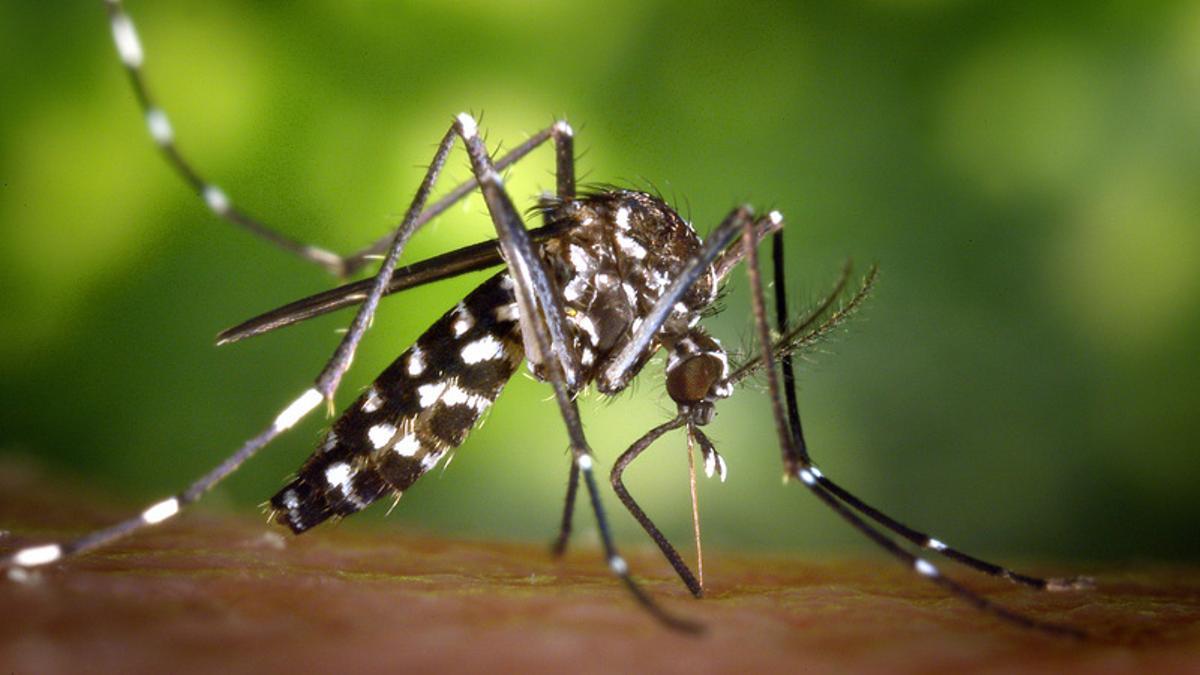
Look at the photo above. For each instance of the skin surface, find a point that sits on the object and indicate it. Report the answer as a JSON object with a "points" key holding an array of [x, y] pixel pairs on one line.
{"points": [[212, 592]]}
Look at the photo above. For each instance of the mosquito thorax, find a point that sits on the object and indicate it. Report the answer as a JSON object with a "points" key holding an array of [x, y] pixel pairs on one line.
{"points": [[620, 252]]}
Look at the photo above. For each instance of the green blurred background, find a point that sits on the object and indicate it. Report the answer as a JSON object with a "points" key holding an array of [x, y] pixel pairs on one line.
{"points": [[1024, 382]]}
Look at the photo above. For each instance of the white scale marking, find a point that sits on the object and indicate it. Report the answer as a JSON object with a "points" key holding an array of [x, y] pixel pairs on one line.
{"points": [[925, 568], [159, 126], [160, 511], [574, 290], [563, 128], [585, 324], [380, 434], [126, 37], [430, 393], [37, 555], [486, 348], [216, 199], [584, 462], [407, 446], [464, 321], [291, 501], [630, 293], [623, 218], [416, 361], [299, 408], [338, 476], [508, 312], [618, 565], [469, 128], [429, 461], [331, 441], [580, 259], [630, 247], [456, 395], [935, 544], [807, 477], [373, 401]]}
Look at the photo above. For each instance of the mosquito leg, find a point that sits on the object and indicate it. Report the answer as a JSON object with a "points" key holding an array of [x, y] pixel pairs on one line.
{"points": [[797, 465], [534, 290], [639, 515], [914, 536], [564, 154], [129, 48], [331, 375], [559, 547], [132, 55], [43, 554], [324, 389]]}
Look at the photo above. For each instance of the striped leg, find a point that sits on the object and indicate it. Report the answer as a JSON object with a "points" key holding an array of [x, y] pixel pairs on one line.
{"points": [[797, 464], [130, 51], [324, 388], [544, 331]]}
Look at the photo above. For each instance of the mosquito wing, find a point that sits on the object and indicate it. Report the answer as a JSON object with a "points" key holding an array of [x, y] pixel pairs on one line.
{"points": [[468, 259]]}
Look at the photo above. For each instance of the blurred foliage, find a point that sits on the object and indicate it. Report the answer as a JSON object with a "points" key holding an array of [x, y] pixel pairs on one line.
{"points": [[1023, 383]]}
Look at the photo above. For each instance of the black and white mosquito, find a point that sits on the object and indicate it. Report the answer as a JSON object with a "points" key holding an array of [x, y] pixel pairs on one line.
{"points": [[610, 278]]}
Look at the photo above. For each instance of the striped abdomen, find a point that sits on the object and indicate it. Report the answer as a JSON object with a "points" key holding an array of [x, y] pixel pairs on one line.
{"points": [[416, 411]]}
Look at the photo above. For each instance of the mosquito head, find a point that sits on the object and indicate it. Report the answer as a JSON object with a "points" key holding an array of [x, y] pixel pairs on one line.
{"points": [[697, 375]]}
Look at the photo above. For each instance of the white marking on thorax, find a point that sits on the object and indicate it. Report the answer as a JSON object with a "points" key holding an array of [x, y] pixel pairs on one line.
{"points": [[580, 259], [575, 288], [623, 218], [630, 247], [584, 322]]}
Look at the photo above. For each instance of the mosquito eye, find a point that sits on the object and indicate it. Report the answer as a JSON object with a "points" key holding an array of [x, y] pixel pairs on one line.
{"points": [[692, 378]]}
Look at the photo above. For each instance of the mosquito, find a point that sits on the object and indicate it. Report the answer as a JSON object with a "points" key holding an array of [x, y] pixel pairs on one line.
{"points": [[611, 278]]}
